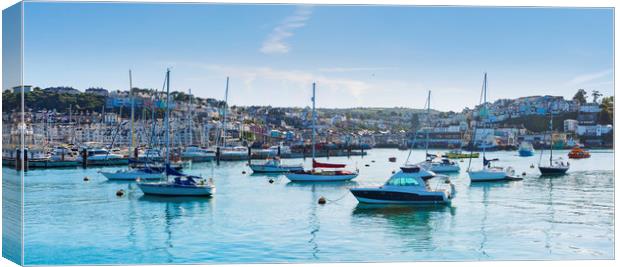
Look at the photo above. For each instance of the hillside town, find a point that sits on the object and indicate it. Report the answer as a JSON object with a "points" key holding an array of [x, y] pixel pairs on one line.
{"points": [[198, 121]]}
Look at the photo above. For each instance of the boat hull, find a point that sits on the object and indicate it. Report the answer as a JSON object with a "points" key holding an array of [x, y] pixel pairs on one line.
{"points": [[526, 153], [306, 177], [552, 170], [462, 155], [257, 168], [128, 176], [163, 189], [488, 176], [375, 196]]}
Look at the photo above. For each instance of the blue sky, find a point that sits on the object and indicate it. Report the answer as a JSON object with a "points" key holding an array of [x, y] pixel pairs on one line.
{"points": [[359, 55]]}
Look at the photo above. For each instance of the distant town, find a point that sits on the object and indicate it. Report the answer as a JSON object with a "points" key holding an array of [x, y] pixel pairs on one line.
{"points": [[65, 115]]}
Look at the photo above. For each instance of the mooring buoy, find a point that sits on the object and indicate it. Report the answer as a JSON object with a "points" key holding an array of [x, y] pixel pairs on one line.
{"points": [[86, 178], [243, 172], [322, 200], [523, 174], [393, 172], [120, 193], [271, 181]]}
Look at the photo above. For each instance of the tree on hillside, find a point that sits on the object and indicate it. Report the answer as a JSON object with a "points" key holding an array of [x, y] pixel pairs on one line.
{"points": [[581, 96], [607, 110], [595, 95]]}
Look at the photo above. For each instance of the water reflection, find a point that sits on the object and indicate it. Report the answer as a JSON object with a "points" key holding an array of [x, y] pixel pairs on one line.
{"points": [[313, 185], [414, 224]]}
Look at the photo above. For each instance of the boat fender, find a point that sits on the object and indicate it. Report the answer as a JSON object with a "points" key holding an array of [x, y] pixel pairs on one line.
{"points": [[322, 200], [86, 178], [372, 161], [271, 181], [120, 193]]}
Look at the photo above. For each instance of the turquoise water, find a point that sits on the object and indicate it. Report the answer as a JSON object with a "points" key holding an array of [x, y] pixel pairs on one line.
{"points": [[249, 220]]}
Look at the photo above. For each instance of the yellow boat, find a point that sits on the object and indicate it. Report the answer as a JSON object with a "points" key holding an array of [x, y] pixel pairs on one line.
{"points": [[458, 154]]}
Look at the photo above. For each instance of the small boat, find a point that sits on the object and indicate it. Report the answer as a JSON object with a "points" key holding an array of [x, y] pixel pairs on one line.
{"points": [[526, 149], [197, 154], [176, 183], [578, 153], [152, 154], [489, 173], [408, 186], [134, 174], [459, 154], [556, 166], [439, 165], [274, 165], [320, 172]]}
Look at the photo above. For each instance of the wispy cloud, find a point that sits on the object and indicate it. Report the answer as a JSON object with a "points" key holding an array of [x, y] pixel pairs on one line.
{"points": [[588, 77], [354, 69], [276, 41]]}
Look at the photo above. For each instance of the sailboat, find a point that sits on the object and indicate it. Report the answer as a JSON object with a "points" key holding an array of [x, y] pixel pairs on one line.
{"points": [[432, 162], [556, 166], [176, 183], [320, 172], [488, 172], [144, 173], [191, 151]]}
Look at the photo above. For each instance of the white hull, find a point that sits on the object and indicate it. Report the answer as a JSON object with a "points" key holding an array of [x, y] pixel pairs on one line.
{"points": [[132, 175], [165, 189], [304, 177], [488, 175], [438, 167], [274, 169]]}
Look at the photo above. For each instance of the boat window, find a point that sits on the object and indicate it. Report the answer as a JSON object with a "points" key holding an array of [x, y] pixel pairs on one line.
{"points": [[403, 181]]}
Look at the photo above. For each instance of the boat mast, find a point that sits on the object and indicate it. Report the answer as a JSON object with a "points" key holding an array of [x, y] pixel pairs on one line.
{"points": [[313, 122], [225, 108], [131, 140], [167, 118], [486, 112], [428, 120], [190, 117], [550, 139]]}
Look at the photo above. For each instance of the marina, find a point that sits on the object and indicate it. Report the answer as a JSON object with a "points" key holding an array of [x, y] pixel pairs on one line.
{"points": [[558, 217]]}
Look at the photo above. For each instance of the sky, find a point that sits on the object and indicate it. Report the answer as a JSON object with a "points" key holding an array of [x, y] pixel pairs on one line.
{"points": [[359, 56]]}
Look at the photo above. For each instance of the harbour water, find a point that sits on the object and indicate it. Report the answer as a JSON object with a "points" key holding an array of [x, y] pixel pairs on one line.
{"points": [[249, 220]]}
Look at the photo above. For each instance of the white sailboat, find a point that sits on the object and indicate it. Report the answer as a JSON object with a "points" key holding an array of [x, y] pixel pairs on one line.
{"points": [[432, 162], [320, 172], [176, 183], [488, 172]]}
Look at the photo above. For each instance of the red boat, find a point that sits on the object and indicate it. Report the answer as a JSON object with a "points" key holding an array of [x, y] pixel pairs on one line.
{"points": [[578, 153]]}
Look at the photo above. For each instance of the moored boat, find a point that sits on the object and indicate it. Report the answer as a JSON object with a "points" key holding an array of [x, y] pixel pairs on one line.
{"points": [[274, 165], [578, 153], [526, 149], [408, 186]]}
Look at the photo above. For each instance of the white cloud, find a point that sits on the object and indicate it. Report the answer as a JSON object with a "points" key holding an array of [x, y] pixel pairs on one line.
{"points": [[276, 41], [343, 69], [588, 77]]}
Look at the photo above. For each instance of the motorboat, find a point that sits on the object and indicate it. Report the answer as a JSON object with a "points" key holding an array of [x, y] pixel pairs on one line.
{"points": [[408, 186], [526, 149], [135, 174], [274, 165], [197, 154], [99, 154], [151, 154], [578, 153]]}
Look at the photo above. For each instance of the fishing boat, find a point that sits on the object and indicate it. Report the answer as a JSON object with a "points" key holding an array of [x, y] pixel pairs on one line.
{"points": [[488, 172], [408, 186], [556, 166], [578, 153], [274, 165], [459, 154], [526, 149], [176, 183], [320, 172], [432, 162]]}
